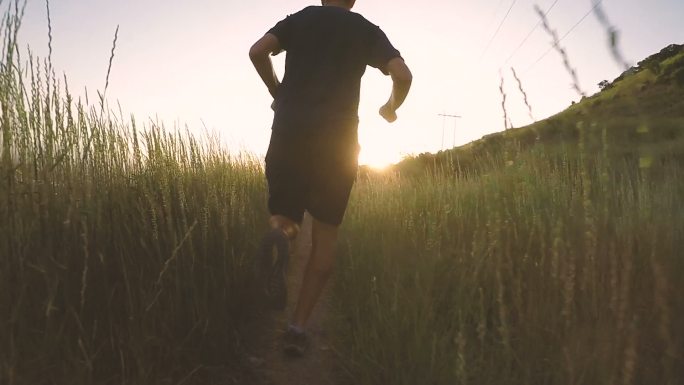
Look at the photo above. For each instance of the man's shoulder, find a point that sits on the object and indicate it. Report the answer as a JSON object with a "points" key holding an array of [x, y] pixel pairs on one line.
{"points": [[360, 17], [367, 24]]}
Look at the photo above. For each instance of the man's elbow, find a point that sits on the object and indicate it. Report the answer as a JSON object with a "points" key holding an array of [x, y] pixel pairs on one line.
{"points": [[399, 71], [258, 51], [403, 76], [263, 47], [255, 52]]}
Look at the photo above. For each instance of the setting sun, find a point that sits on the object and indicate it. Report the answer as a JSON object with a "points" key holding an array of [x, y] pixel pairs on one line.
{"points": [[377, 157], [379, 146]]}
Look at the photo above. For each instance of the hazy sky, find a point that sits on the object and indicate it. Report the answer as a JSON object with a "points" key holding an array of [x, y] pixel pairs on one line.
{"points": [[186, 62]]}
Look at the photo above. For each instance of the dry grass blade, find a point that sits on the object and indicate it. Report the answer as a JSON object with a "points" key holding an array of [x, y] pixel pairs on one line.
{"points": [[613, 35], [524, 94], [529, 34], [503, 102], [560, 50], [49, 21]]}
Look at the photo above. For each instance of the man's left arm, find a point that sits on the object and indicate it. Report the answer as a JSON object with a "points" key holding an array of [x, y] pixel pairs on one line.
{"points": [[259, 54]]}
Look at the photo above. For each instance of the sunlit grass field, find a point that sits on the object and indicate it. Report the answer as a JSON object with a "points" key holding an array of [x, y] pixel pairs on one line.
{"points": [[542, 272], [549, 254], [126, 254]]}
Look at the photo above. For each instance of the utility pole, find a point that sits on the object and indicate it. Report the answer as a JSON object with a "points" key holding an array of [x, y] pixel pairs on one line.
{"points": [[454, 117]]}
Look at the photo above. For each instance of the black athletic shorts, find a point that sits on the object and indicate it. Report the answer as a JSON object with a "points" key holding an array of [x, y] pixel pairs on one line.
{"points": [[312, 170]]}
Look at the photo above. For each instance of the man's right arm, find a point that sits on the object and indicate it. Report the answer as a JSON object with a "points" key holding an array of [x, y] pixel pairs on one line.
{"points": [[401, 84], [259, 54]]}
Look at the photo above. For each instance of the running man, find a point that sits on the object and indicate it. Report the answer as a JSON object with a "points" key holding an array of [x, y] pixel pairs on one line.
{"points": [[311, 162]]}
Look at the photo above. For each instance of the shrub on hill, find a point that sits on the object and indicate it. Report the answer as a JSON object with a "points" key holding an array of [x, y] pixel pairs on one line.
{"points": [[653, 63]]}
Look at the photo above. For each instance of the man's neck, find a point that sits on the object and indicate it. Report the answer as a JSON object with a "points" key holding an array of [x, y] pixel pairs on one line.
{"points": [[338, 4]]}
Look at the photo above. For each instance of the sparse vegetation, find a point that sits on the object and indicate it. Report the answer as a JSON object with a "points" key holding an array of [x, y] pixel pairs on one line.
{"points": [[641, 111]]}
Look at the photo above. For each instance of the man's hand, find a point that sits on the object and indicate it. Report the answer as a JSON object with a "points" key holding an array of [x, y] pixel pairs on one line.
{"points": [[401, 83], [273, 90], [274, 93], [388, 113]]}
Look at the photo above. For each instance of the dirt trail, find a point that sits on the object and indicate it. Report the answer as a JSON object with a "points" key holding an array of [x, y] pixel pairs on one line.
{"points": [[318, 365]]}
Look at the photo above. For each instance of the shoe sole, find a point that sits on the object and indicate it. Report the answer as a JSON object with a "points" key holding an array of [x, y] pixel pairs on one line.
{"points": [[294, 351], [296, 345]]}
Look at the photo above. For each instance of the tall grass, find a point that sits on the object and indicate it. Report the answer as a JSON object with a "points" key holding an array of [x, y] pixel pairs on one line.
{"points": [[542, 255], [553, 270], [125, 255], [124, 251]]}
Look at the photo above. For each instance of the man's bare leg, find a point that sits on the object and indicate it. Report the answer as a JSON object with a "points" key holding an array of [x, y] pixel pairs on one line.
{"points": [[273, 259], [318, 271]]}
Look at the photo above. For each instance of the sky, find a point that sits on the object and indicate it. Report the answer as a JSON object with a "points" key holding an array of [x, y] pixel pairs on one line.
{"points": [[185, 63]]}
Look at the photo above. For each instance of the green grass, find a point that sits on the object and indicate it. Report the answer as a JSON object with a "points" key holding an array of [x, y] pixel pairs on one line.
{"points": [[125, 252], [543, 255], [547, 254], [537, 273]]}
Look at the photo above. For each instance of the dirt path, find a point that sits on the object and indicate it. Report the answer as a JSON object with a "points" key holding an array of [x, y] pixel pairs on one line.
{"points": [[317, 367]]}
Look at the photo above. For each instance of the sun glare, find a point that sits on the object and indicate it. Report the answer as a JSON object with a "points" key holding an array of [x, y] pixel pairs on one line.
{"points": [[375, 156], [377, 166], [380, 146]]}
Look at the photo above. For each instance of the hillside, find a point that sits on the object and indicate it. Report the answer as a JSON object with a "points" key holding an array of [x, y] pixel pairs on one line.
{"points": [[639, 116]]}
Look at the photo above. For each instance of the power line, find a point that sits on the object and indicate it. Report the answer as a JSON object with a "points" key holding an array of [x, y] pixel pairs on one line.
{"points": [[498, 29], [596, 5], [530, 33], [496, 10], [444, 117]]}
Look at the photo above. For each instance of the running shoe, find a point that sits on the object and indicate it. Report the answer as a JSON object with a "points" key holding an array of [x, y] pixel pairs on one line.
{"points": [[296, 342]]}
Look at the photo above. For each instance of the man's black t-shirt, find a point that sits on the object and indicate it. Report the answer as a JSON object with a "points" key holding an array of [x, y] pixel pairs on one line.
{"points": [[328, 49]]}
